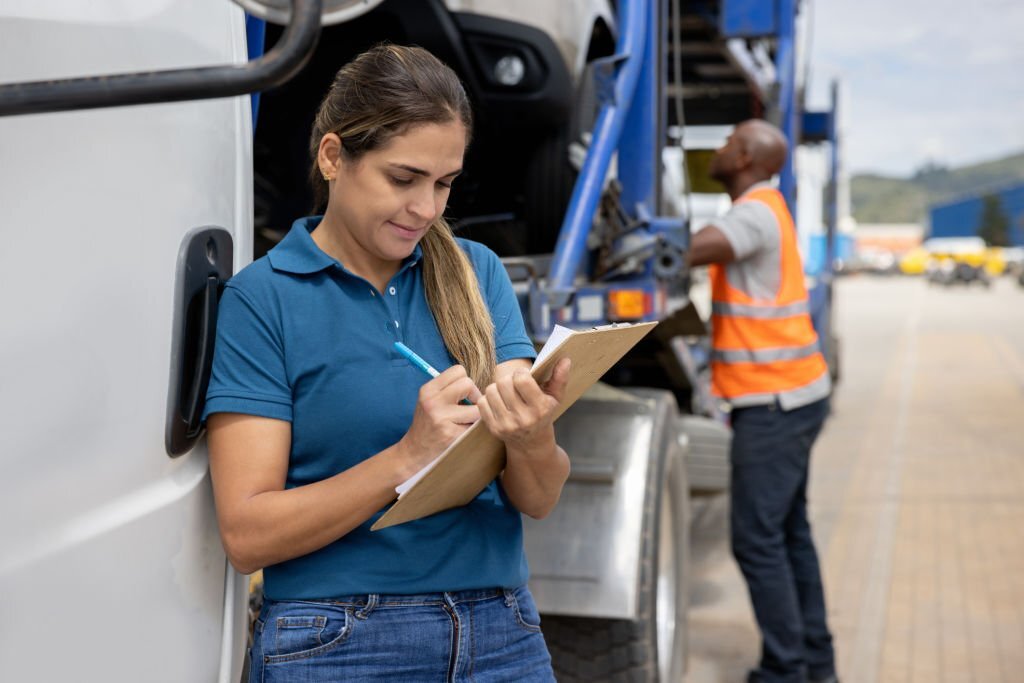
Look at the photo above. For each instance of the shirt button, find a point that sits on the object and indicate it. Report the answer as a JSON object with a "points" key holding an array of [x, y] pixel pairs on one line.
{"points": [[396, 323], [391, 291]]}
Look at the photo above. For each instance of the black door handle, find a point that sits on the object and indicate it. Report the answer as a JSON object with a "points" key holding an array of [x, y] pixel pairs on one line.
{"points": [[205, 337], [204, 265]]}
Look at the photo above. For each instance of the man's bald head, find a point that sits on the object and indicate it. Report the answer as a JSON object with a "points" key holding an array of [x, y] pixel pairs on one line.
{"points": [[765, 144], [754, 152]]}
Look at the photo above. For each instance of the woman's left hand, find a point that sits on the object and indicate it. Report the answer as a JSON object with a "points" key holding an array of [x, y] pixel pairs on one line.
{"points": [[519, 411]]}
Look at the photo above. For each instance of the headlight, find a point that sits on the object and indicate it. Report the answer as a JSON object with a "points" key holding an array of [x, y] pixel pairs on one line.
{"points": [[510, 70]]}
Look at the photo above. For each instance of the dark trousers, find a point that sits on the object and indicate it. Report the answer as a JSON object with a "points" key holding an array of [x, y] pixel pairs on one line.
{"points": [[771, 539]]}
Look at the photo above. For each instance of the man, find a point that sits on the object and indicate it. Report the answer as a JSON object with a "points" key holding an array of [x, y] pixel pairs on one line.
{"points": [[766, 362]]}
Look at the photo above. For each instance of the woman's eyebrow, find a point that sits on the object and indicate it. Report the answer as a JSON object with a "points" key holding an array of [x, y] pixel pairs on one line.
{"points": [[420, 171]]}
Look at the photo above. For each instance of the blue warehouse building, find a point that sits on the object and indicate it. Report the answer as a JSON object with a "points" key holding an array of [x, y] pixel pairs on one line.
{"points": [[962, 217]]}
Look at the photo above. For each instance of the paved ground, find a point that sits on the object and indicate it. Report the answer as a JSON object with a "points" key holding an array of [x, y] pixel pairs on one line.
{"points": [[917, 496]]}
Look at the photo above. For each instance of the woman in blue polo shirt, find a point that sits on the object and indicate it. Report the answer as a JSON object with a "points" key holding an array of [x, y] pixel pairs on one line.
{"points": [[314, 418]]}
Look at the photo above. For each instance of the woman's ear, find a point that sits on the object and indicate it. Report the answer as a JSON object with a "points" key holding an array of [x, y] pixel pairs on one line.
{"points": [[328, 157]]}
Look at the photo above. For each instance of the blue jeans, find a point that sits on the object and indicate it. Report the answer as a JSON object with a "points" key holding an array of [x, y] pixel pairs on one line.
{"points": [[771, 539], [478, 635]]}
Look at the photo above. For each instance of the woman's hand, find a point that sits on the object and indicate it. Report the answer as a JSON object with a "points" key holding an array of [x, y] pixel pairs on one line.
{"points": [[519, 411], [439, 418]]}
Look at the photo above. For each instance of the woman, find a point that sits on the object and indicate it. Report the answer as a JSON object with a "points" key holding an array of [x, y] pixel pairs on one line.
{"points": [[314, 418]]}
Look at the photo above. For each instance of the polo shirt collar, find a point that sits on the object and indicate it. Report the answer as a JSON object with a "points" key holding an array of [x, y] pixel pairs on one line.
{"points": [[297, 253]]}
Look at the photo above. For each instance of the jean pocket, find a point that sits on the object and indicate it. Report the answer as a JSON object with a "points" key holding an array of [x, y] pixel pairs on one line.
{"points": [[304, 630], [525, 609]]}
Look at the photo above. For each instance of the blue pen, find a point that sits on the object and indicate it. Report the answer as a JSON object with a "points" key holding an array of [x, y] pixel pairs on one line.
{"points": [[423, 365], [411, 356]]}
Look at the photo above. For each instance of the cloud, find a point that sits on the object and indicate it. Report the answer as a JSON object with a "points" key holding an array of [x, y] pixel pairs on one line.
{"points": [[921, 85]]}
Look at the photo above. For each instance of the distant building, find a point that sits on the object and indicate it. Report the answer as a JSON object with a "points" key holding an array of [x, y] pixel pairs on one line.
{"points": [[895, 238], [961, 218]]}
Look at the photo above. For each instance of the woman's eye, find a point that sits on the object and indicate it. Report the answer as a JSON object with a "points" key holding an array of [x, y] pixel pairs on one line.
{"points": [[401, 181], [447, 186]]}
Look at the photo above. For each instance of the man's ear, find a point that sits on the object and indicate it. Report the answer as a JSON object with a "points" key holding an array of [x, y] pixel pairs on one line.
{"points": [[328, 156], [744, 157]]}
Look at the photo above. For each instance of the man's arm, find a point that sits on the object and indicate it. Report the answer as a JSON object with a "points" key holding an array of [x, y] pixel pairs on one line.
{"points": [[710, 245]]}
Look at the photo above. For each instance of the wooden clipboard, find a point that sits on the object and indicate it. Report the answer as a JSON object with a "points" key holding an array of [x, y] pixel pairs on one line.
{"points": [[473, 460]]}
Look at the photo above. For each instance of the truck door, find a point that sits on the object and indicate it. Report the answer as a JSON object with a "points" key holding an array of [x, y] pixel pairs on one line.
{"points": [[110, 564]]}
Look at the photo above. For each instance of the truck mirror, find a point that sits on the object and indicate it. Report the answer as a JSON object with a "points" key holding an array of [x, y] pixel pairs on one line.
{"points": [[334, 11]]}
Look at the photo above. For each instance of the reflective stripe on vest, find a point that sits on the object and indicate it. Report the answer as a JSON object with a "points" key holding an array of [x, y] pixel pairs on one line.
{"points": [[764, 346], [764, 355], [760, 312]]}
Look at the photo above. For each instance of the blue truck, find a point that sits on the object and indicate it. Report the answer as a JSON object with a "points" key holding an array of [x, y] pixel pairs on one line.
{"points": [[138, 178]]}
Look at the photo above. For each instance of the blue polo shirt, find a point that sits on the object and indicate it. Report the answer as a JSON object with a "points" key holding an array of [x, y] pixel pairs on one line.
{"points": [[302, 339]]}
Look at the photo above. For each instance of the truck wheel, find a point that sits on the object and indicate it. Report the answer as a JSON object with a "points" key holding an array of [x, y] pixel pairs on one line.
{"points": [[551, 177], [706, 448], [653, 647]]}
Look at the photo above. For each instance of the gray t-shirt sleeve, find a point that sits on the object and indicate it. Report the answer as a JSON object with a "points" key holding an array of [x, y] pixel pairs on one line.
{"points": [[753, 233], [750, 227]]}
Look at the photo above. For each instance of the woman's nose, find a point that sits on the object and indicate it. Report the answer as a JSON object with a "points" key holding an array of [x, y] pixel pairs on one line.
{"points": [[423, 205]]}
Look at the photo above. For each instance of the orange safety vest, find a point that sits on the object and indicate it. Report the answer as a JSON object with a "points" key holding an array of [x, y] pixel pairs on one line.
{"points": [[764, 346]]}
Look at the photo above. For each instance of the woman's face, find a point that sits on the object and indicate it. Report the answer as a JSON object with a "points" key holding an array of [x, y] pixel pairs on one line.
{"points": [[385, 201]]}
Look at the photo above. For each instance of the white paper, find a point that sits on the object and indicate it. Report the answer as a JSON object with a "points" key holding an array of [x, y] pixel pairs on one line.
{"points": [[558, 335], [408, 483]]}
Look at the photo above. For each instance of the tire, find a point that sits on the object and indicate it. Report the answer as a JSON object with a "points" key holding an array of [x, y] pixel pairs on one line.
{"points": [[706, 451], [652, 648], [551, 178]]}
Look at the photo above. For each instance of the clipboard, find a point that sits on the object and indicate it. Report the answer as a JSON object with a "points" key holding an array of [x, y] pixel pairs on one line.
{"points": [[474, 459]]}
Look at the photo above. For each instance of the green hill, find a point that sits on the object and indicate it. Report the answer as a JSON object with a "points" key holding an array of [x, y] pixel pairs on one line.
{"points": [[881, 199]]}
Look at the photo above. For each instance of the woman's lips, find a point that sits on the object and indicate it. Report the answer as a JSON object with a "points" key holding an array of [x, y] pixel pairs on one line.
{"points": [[407, 232]]}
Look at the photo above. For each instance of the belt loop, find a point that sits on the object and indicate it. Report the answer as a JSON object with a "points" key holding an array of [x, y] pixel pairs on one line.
{"points": [[371, 604], [509, 597]]}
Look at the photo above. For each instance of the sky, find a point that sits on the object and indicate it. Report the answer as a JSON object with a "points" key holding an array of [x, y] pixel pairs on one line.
{"points": [[923, 81]]}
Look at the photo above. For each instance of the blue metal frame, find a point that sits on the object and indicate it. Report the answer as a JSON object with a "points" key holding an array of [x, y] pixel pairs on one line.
{"points": [[255, 37], [627, 62], [630, 122], [820, 294], [639, 149], [832, 226], [785, 65]]}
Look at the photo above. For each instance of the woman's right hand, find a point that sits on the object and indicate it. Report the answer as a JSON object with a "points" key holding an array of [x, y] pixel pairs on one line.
{"points": [[439, 417]]}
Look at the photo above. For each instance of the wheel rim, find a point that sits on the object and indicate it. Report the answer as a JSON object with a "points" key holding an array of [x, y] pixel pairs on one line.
{"points": [[668, 575]]}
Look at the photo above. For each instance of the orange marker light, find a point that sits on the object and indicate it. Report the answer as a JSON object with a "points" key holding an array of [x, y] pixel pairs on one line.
{"points": [[627, 304]]}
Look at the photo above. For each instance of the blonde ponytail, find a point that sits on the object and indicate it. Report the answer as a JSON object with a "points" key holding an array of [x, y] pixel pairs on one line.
{"points": [[453, 294]]}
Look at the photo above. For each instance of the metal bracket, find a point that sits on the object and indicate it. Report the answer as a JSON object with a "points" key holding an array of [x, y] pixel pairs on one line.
{"points": [[284, 61], [605, 69]]}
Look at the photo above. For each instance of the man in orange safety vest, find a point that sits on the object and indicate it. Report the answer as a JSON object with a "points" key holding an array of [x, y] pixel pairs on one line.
{"points": [[766, 362]]}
